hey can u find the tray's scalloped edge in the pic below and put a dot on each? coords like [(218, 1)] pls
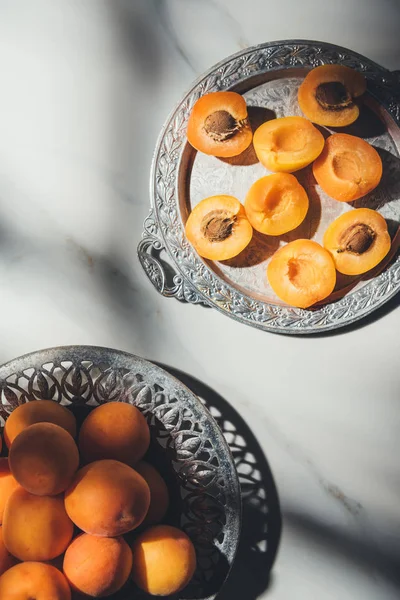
[(192, 280)]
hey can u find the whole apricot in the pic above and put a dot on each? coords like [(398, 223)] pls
[(115, 430), (97, 566), (38, 411), (34, 581), (159, 497), (107, 498), (8, 484), (6, 559), (43, 459), (164, 560), (36, 527)]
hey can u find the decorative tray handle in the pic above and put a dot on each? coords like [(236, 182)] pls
[(160, 272)]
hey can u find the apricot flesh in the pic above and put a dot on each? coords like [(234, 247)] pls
[(36, 527), (348, 167), (276, 204), (218, 228), (164, 560), (358, 241), (287, 144), (302, 273), (97, 566), (34, 581), (159, 496), (43, 459), (115, 430), (107, 498), (219, 124), (8, 484), (326, 96), (38, 411)]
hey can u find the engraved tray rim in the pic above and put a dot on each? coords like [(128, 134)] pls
[(183, 397), (194, 280)]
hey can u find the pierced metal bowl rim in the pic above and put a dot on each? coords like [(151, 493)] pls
[(200, 296), (44, 355)]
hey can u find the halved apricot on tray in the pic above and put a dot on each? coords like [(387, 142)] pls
[(287, 144), (358, 240), (302, 273), (276, 204), (219, 124), (348, 167), (327, 94), (218, 228)]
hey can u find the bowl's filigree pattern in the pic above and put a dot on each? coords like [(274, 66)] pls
[(184, 275), (197, 454)]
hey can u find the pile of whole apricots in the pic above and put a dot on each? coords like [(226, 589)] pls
[(346, 167), (63, 524)]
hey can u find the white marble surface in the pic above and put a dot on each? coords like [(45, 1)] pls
[(85, 88)]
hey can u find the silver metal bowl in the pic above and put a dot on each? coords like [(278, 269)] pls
[(268, 76), (187, 444)]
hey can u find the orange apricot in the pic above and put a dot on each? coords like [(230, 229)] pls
[(164, 560), (115, 430), (34, 581), (276, 204), (38, 411), (348, 167), (218, 228), (43, 459), (8, 484), (36, 527), (107, 498), (219, 124), (97, 566), (302, 273), (159, 497), (326, 96), (287, 144), (6, 559), (358, 240)]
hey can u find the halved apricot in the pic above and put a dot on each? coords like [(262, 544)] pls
[(302, 273), (327, 94), (218, 228), (276, 204), (219, 124), (357, 240), (287, 144), (348, 167)]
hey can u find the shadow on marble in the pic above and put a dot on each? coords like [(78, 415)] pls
[(361, 553), (262, 523)]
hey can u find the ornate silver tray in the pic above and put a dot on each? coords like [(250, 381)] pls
[(187, 444), (268, 75)]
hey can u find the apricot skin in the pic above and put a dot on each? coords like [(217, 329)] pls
[(97, 566), (164, 560), (34, 581), (115, 430), (43, 459), (6, 559), (38, 411), (8, 484), (159, 497), (36, 527), (107, 498)]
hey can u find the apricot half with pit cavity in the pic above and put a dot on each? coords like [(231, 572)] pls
[(348, 167), (358, 240), (302, 273), (327, 94), (287, 144), (218, 228), (276, 204)]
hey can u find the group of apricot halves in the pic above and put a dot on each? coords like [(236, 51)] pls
[(345, 166)]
